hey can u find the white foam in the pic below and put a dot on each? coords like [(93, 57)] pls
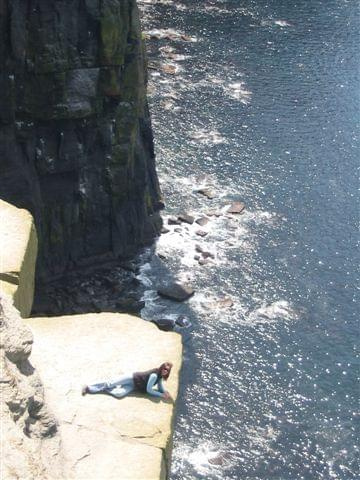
[(239, 92), (201, 458), (207, 136), (275, 311), (282, 23)]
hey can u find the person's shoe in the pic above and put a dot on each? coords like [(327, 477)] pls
[(84, 390)]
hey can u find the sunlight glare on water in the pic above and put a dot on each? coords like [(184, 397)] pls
[(263, 109)]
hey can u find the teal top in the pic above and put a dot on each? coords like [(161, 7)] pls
[(155, 386)]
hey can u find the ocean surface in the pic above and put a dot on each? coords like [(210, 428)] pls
[(259, 101)]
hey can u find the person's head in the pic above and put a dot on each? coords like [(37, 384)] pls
[(165, 369)]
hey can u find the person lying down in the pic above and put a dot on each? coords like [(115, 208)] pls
[(150, 381)]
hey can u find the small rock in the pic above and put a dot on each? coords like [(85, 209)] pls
[(207, 193), (178, 230), (213, 213), (201, 233), (207, 254), (198, 248), (196, 257), (183, 322), (203, 261), (216, 460), (161, 256), (186, 38), (225, 302), (164, 230), (165, 324), (236, 207), (176, 291), (186, 218), (166, 68), (202, 221), (173, 221)]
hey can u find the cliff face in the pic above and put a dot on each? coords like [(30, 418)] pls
[(76, 145)]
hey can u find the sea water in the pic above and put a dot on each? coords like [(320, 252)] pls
[(261, 106)]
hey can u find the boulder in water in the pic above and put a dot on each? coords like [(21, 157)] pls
[(207, 193), (184, 217), (173, 221), (165, 324), (176, 291), (236, 208), (202, 221)]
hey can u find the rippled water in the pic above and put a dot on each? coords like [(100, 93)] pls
[(262, 106)]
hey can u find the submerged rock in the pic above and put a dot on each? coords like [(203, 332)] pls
[(206, 192), (170, 69), (176, 291), (201, 233)]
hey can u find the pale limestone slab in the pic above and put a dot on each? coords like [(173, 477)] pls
[(103, 437), (18, 250)]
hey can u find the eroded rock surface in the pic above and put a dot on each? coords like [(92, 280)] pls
[(30, 443), (76, 146)]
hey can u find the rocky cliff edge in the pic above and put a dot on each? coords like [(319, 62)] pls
[(50, 431)]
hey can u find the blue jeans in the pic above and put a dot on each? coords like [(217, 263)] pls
[(121, 387)]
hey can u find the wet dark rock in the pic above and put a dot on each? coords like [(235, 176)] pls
[(184, 217), (176, 291), (165, 324), (129, 266), (202, 221), (236, 208), (182, 321), (173, 221), (129, 305), (110, 289), (198, 248), (207, 193), (201, 233), (206, 254)]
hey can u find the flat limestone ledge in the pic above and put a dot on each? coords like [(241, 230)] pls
[(18, 250), (104, 437)]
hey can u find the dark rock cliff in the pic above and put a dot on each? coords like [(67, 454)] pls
[(76, 145)]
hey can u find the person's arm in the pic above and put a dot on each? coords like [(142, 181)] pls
[(150, 387), (160, 386)]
